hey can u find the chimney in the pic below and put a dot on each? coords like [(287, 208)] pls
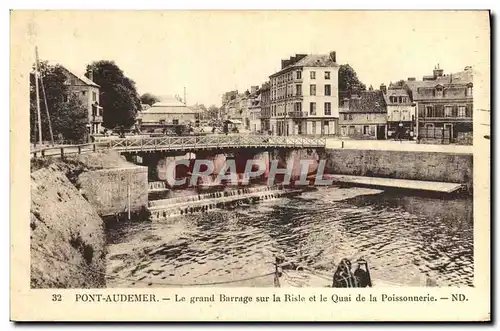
[(284, 63), (333, 56), (411, 79), (91, 75), (346, 103), (253, 89), (383, 88), (437, 72)]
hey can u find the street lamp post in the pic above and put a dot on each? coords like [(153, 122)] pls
[(88, 132), (400, 131)]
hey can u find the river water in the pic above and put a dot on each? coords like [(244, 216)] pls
[(405, 238)]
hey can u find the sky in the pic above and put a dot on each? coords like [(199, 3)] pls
[(211, 52)]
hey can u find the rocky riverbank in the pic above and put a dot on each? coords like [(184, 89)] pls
[(68, 248)]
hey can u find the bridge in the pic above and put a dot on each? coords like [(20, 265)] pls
[(183, 144)]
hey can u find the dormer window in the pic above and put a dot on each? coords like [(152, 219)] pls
[(439, 91), (468, 92)]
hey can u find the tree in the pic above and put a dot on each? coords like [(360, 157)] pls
[(68, 116), (349, 81), (118, 94), (213, 112), (70, 120), (149, 99)]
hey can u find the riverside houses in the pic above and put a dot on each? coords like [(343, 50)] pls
[(401, 118), (254, 110), (444, 106), (364, 115), (304, 96), (88, 92), (265, 105)]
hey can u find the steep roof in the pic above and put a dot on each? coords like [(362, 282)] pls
[(368, 102), (82, 78)]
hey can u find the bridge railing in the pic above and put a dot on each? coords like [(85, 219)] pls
[(182, 143), (215, 141), (62, 151)]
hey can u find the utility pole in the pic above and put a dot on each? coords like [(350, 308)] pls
[(44, 97), (38, 100), (128, 197), (185, 101)]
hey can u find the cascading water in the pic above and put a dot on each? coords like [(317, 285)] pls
[(229, 197)]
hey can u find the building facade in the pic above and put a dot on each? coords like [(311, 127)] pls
[(401, 117), (304, 96), (88, 92), (444, 105), (364, 116), (265, 105), (254, 110)]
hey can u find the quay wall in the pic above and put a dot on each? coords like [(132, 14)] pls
[(67, 234), (427, 166), (108, 190)]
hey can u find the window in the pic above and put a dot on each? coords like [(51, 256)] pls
[(163, 122), (328, 108), (327, 74), (428, 111), (447, 111), (312, 89), (65, 98), (312, 108), (343, 130), (350, 117), (328, 90), (174, 121), (468, 92), (94, 96), (299, 74), (312, 74), (298, 106), (345, 117), (439, 91), (366, 129), (298, 88), (84, 92), (461, 111)]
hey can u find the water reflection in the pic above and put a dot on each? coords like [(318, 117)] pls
[(403, 237)]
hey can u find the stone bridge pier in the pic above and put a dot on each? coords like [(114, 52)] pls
[(296, 161)]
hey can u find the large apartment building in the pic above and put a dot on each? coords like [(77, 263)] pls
[(304, 96)]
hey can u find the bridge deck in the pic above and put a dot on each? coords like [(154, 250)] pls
[(184, 143)]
